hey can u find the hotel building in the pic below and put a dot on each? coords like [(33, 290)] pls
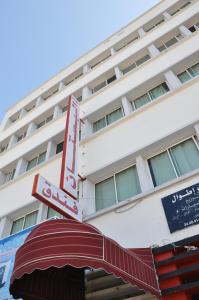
[(139, 143)]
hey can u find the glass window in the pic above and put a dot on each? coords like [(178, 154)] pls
[(111, 79), (159, 91), (24, 222), (105, 193), (17, 225), (59, 147), (40, 124), (64, 109), (192, 28), (31, 164), (142, 101), (52, 213), (189, 73), (119, 187), (142, 60), (184, 5), (79, 99), (36, 161), (10, 175), (184, 76), (49, 118), (171, 42), (127, 183), (99, 86), (161, 168), (99, 124), (194, 70), (129, 68), (30, 219), (162, 48), (114, 116), (185, 157), (41, 158)]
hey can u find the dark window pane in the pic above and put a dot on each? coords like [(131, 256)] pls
[(59, 147)]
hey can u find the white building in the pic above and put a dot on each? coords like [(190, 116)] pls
[(138, 93)]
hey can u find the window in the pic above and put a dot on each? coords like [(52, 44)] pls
[(193, 28), (59, 147), (21, 137), (52, 213), (164, 45), (104, 83), (126, 44), (24, 222), (189, 73), (99, 62), (10, 175), (174, 162), (182, 7), (31, 107), (147, 29), (50, 93), (64, 109), (79, 99), (36, 161), (129, 68), (117, 188), (108, 119), (3, 148), (151, 95), (136, 64), (48, 119)]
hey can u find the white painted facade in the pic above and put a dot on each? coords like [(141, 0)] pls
[(133, 139)]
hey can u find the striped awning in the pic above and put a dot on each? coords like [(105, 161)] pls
[(57, 251)]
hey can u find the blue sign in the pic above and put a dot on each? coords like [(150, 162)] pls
[(182, 208), (8, 248)]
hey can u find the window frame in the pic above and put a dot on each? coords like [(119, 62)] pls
[(105, 117), (23, 217), (10, 175), (192, 137), (163, 43), (149, 96), (186, 69), (115, 186), (45, 121), (21, 137), (37, 159)]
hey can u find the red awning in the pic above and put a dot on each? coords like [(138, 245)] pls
[(61, 243)]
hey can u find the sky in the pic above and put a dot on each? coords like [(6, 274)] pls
[(41, 37)]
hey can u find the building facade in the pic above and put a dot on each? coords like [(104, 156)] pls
[(139, 140)]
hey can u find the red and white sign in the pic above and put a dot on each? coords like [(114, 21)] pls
[(52, 196), (69, 171)]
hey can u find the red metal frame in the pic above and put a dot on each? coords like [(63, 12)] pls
[(65, 148)]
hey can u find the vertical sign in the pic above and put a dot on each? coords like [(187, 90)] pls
[(69, 172)]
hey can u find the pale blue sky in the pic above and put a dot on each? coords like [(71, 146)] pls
[(40, 37)]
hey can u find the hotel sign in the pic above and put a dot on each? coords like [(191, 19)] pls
[(64, 199), (182, 208), (55, 198), (69, 172)]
